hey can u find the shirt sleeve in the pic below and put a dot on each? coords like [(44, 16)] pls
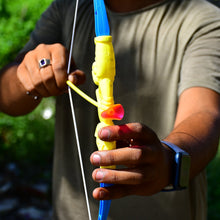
[(201, 61), (48, 29)]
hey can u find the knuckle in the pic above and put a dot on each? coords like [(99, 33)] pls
[(111, 159), (31, 88), (138, 127), (138, 178), (144, 132), (139, 157), (20, 70), (29, 56), (60, 49), (41, 47), (115, 178), (48, 78), (37, 84), (59, 66), (57, 45)]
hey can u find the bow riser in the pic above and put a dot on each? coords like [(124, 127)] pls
[(103, 76)]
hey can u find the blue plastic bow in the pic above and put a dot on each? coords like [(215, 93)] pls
[(102, 29)]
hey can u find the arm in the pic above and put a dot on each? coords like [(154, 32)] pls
[(23, 75), (149, 164), (197, 126), (13, 98)]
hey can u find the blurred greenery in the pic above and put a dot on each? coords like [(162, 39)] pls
[(17, 20), (28, 140)]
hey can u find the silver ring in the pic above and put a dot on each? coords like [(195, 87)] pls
[(44, 62)]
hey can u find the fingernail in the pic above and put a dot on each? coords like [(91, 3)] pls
[(99, 176), (96, 159), (73, 79)]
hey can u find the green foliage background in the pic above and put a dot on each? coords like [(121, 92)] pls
[(28, 140), (17, 20)]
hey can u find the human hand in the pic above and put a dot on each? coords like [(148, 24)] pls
[(49, 80), (148, 164)]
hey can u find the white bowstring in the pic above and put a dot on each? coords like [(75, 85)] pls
[(73, 114)]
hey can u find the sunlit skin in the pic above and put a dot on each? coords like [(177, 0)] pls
[(149, 164)]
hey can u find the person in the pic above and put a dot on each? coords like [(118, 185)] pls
[(167, 79)]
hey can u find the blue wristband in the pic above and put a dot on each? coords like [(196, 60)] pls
[(182, 168)]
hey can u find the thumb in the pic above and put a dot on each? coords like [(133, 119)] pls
[(77, 77)]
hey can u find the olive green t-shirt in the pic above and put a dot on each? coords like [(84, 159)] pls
[(160, 51)]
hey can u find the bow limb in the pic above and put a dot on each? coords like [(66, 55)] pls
[(103, 73)]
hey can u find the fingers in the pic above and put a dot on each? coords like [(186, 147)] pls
[(139, 178), (36, 80), (77, 77), (123, 156), (50, 79), (136, 132), (59, 66), (126, 182), (143, 143), (37, 77), (128, 176), (147, 163), (112, 192), (120, 191)]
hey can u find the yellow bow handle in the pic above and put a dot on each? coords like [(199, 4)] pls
[(103, 72)]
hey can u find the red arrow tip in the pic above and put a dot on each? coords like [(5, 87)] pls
[(114, 112)]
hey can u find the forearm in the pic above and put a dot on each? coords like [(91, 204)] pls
[(198, 135), (13, 98)]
